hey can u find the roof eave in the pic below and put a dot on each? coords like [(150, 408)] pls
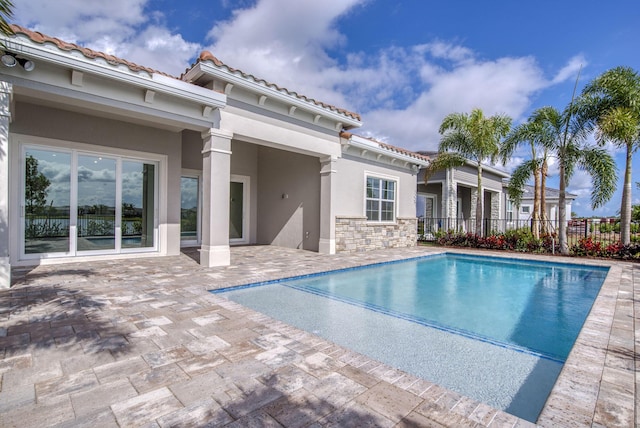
[(205, 68), (152, 81), (366, 144)]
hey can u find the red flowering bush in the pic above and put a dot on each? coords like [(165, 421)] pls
[(587, 247)]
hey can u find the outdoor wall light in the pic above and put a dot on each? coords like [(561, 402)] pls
[(10, 60), (27, 64)]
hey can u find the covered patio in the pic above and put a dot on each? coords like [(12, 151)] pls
[(141, 341)]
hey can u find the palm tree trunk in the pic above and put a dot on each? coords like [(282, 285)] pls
[(479, 199), (535, 226), (625, 209), (562, 211), (544, 219)]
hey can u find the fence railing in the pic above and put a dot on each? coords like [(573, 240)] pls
[(606, 231)]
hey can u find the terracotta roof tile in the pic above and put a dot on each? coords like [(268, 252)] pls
[(207, 56), (40, 38), (389, 147)]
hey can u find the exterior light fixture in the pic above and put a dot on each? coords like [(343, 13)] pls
[(27, 64), (9, 60)]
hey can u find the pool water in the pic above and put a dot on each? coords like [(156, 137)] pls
[(492, 328)]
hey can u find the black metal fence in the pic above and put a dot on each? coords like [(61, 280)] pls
[(606, 231)]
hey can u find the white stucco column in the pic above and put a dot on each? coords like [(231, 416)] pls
[(216, 175), (6, 91), (327, 244)]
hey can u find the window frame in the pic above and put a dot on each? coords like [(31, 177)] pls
[(75, 150), (382, 178)]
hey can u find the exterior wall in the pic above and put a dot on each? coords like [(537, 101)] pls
[(469, 175), (288, 199), (355, 234), (350, 186), (262, 128), (71, 128)]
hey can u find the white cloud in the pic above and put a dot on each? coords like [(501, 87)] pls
[(124, 28), (570, 70), (403, 92)]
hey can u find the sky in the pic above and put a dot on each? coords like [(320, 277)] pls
[(403, 65)]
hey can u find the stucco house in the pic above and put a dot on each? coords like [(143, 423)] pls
[(552, 203), (448, 199), (103, 158)]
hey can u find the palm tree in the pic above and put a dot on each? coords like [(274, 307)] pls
[(612, 103), (531, 132), (6, 13), (474, 137), (565, 135)]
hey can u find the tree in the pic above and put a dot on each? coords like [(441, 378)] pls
[(474, 137), (6, 13), (565, 136), (36, 187), (531, 132), (611, 102)]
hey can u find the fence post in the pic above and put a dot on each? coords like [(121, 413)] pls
[(586, 228)]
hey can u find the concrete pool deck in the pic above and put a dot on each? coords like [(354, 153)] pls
[(140, 342)]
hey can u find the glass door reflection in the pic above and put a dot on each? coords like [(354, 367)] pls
[(138, 203), (96, 206), (47, 190)]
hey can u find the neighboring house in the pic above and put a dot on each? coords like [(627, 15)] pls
[(552, 202), (448, 199), (102, 158)]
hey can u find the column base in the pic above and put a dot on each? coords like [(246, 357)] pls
[(327, 246), (5, 272), (219, 255)]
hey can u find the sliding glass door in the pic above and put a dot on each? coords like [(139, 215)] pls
[(47, 190), (96, 203), (87, 203)]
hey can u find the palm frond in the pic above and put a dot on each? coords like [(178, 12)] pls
[(519, 178), (602, 168), (444, 160)]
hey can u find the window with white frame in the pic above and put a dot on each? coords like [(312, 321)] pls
[(381, 199), (526, 209), (509, 211)]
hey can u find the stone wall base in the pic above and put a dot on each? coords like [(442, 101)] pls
[(355, 234)]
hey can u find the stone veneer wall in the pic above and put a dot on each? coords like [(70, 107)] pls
[(354, 234)]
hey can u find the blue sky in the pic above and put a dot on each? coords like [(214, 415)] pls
[(403, 65)]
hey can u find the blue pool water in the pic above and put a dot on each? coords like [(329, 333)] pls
[(521, 317)]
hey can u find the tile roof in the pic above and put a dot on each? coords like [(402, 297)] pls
[(40, 38), (389, 147), (206, 56)]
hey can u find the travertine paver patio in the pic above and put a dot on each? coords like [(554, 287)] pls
[(140, 342)]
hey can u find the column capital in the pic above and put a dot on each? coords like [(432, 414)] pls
[(214, 132), (327, 165), (216, 141)]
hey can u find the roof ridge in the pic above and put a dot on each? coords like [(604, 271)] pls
[(206, 56)]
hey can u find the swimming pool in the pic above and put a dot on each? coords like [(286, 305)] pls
[(513, 322)]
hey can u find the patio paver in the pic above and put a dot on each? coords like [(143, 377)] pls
[(142, 342)]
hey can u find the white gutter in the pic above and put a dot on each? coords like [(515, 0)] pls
[(237, 79), (120, 72)]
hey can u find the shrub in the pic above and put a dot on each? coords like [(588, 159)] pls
[(587, 247)]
